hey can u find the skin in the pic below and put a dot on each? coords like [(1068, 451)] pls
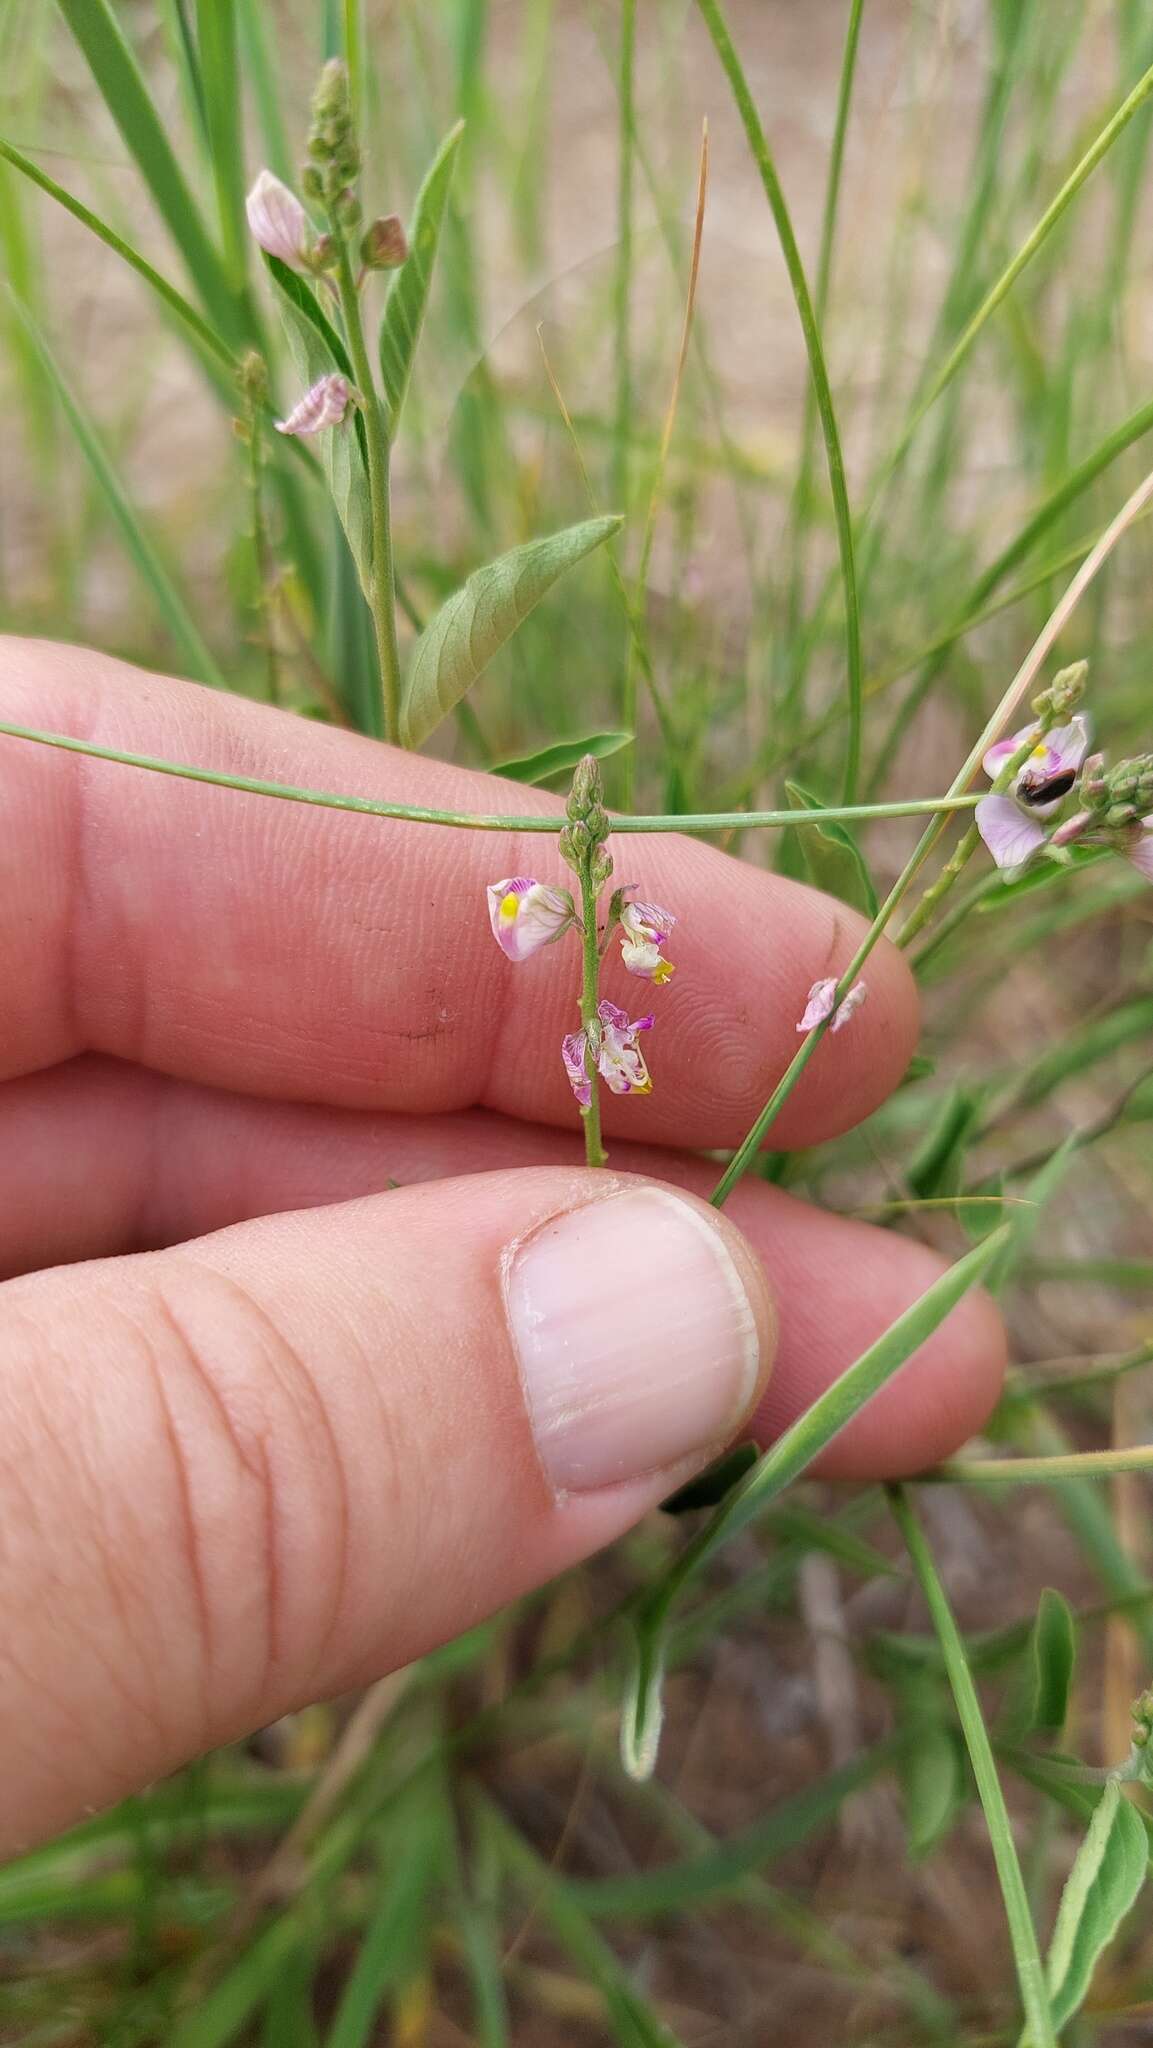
[(235, 1362)]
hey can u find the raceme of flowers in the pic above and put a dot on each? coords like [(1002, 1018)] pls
[(526, 915), (1114, 806)]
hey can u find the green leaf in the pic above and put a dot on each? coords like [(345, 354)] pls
[(142, 550), (1054, 1649), (394, 1936), (832, 858), (1101, 1887), (219, 66), (642, 1709), (405, 305), (129, 102), (562, 758), (316, 350), (939, 1167), (934, 1782), (460, 640)]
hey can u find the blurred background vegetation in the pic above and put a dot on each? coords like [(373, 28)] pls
[(457, 1857)]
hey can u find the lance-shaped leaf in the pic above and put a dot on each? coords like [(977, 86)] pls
[(561, 758), (1101, 1887), (408, 295), (316, 350), (460, 641), (1054, 1649)]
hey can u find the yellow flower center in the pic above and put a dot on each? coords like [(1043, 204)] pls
[(508, 906)]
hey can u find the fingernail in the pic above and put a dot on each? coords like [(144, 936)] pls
[(639, 1321)]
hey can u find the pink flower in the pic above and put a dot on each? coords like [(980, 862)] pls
[(278, 221), (1008, 821), (526, 915), (821, 1003), (1050, 770), (619, 1060), (1141, 849), (644, 929), (324, 405)]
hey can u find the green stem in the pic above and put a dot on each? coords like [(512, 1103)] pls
[(383, 593), (479, 821), (1022, 1933), (965, 848), (595, 1153)]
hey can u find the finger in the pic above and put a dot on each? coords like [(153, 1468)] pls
[(308, 954), (98, 1158), (280, 1460)]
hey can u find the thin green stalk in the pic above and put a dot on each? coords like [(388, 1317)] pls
[(762, 157), (383, 595), (1018, 689), (962, 853), (595, 1153), (482, 821), (1034, 1471), (1022, 1933), (622, 284)]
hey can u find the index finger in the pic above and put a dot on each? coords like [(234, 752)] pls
[(312, 955)]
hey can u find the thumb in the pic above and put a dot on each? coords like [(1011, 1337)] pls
[(278, 1461)]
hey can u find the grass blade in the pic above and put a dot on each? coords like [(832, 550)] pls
[(220, 70), (746, 107), (126, 96), (153, 573), (1026, 1954)]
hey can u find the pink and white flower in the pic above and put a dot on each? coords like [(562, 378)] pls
[(526, 915), (278, 221), (324, 405), (1141, 849), (644, 930), (1009, 821), (822, 1003), (619, 1059)]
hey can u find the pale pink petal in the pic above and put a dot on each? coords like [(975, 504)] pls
[(278, 220), (644, 929), (573, 1050), (620, 1061), (1070, 743), (848, 1005), (526, 915), (1010, 834), (1003, 750), (1141, 850), (818, 1005), (324, 405)]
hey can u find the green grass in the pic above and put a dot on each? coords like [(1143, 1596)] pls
[(766, 634)]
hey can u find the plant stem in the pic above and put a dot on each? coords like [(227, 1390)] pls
[(1022, 1933), (382, 600), (595, 1153)]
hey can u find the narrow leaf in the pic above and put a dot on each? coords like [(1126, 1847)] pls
[(316, 350), (129, 102), (142, 550), (562, 758), (1101, 1887), (832, 857), (1054, 1649), (460, 641), (408, 297)]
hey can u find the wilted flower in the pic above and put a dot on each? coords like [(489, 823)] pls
[(1140, 848), (619, 1060), (644, 929), (278, 221), (821, 1003), (384, 244), (323, 405), (1009, 821), (526, 915)]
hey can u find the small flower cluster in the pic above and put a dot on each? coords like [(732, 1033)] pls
[(283, 229), (1114, 806), (526, 915)]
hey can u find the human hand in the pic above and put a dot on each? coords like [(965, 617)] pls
[(269, 1424)]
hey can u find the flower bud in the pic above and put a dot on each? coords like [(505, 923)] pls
[(587, 789), (1056, 703), (278, 221), (384, 245)]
